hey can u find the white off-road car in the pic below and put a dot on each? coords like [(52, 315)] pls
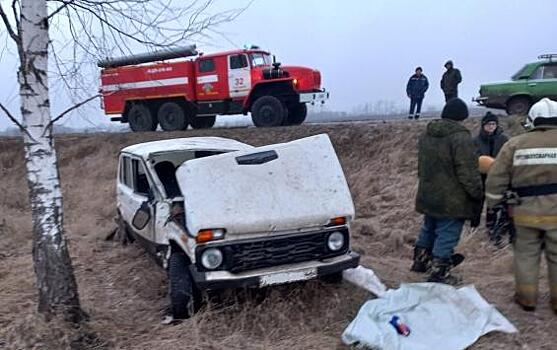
[(218, 213)]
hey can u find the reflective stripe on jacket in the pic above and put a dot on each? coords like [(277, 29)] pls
[(528, 161)]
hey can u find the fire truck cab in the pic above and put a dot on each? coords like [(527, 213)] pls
[(163, 88)]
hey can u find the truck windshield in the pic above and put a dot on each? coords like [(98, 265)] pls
[(260, 59)]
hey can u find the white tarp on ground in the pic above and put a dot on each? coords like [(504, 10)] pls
[(439, 317), (365, 278)]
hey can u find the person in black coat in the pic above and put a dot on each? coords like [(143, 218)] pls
[(490, 138), (489, 142), (415, 89), (449, 82)]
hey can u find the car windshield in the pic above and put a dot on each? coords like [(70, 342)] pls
[(260, 59), (518, 74), (523, 73)]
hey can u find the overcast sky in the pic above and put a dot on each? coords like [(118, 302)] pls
[(367, 49)]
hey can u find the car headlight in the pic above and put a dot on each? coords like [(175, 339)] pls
[(211, 258), (335, 242)]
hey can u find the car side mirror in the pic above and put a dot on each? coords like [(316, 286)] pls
[(142, 216)]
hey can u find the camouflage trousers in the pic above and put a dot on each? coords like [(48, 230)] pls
[(528, 247)]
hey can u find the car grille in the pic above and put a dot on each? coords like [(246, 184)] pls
[(255, 254)]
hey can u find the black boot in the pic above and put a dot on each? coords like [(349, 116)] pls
[(422, 260), (441, 272)]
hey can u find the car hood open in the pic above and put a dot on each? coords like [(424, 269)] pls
[(289, 186)]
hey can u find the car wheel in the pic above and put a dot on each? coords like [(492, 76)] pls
[(519, 106), (172, 116), (140, 118), (267, 111), (203, 122), (184, 296), (297, 114)]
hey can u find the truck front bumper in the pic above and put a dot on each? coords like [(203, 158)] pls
[(314, 97), (274, 275)]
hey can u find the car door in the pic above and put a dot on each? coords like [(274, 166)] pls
[(239, 75), (136, 195), (543, 82)]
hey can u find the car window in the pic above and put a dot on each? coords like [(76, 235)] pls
[(126, 178), (121, 170), (538, 73), (550, 72), (207, 65), (166, 171), (238, 61), (141, 184)]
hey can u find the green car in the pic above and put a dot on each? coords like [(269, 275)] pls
[(532, 83)]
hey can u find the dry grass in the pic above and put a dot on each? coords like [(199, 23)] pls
[(125, 293)]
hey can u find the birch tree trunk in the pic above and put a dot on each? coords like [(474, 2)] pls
[(56, 282)]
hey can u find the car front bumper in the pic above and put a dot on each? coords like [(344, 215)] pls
[(498, 102), (480, 100), (314, 97), (274, 275)]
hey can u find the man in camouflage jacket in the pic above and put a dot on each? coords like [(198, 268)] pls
[(449, 191), (527, 165)]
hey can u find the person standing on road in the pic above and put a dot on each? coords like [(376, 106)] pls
[(415, 89), (488, 143), (449, 191), (527, 166), (449, 82)]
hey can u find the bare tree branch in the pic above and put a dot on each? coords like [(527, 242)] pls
[(14, 35), (60, 8), (15, 121), (77, 105)]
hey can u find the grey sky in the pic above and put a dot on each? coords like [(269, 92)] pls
[(366, 50)]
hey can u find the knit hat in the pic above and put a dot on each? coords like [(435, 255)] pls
[(455, 109), (490, 117), (449, 62)]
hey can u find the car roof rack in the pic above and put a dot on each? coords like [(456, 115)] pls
[(550, 57)]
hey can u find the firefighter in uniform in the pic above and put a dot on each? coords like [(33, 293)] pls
[(527, 166)]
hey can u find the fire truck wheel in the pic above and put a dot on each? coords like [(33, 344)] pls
[(172, 117), (203, 122), (141, 118), (297, 114), (267, 111)]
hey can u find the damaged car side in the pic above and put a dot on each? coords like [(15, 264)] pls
[(218, 213)]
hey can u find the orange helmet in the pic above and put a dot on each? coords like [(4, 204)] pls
[(485, 163)]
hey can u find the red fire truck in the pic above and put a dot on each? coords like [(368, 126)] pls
[(165, 88)]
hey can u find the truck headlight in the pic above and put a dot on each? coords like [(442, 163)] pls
[(211, 258), (335, 242)]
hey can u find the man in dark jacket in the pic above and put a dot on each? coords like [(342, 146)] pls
[(488, 143), (449, 82), (449, 191), (415, 89)]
